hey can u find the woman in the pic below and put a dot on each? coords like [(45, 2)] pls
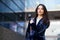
[(37, 26)]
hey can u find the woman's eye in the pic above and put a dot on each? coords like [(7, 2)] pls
[(41, 8)]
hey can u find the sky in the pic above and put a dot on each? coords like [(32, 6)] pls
[(51, 5)]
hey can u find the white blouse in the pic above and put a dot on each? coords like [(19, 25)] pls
[(37, 20)]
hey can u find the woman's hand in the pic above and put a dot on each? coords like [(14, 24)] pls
[(31, 21)]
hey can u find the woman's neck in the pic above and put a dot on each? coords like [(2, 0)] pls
[(39, 16)]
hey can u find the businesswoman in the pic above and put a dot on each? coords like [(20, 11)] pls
[(37, 26)]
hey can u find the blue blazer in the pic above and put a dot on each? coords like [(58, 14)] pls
[(37, 32)]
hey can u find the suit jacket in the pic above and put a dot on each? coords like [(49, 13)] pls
[(37, 32)]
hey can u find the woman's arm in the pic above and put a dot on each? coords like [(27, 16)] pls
[(43, 27)]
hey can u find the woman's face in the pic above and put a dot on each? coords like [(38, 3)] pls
[(40, 10)]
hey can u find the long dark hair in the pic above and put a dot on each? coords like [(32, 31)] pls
[(45, 14)]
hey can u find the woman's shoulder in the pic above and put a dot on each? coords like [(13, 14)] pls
[(32, 18)]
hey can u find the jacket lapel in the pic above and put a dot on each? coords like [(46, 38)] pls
[(40, 22)]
